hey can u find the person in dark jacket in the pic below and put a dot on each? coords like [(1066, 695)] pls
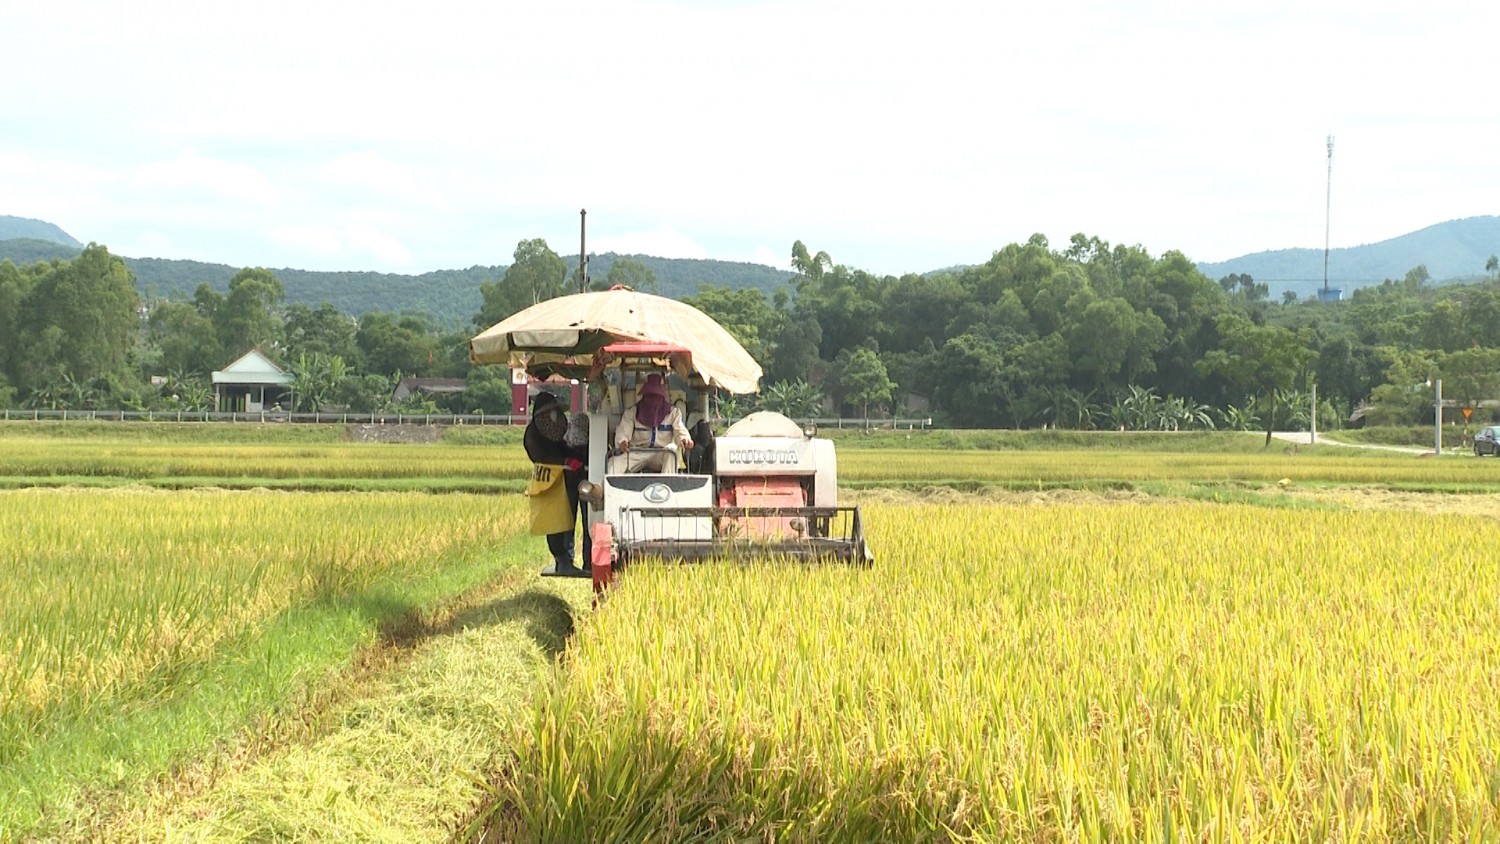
[(545, 443)]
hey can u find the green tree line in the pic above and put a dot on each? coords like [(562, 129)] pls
[(1087, 336)]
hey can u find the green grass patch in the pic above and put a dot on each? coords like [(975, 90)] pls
[(437, 485), (980, 487), (1053, 440), (1234, 492), (489, 461), (1416, 436), (234, 432), (173, 432), (491, 435), (249, 463), (877, 438)]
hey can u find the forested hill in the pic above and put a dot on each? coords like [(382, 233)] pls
[(1453, 251), (24, 228), (449, 296), (678, 277)]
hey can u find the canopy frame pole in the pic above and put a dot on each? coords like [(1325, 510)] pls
[(583, 255)]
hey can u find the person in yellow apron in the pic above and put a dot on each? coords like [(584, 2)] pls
[(557, 468)]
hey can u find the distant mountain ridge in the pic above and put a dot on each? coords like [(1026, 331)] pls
[(25, 228), (1453, 251), (451, 297)]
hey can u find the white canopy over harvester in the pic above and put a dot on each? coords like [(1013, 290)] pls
[(764, 489)]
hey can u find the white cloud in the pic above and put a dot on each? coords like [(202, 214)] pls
[(781, 260), (322, 241), (369, 239), (195, 176), (355, 243), (369, 172), (661, 243), (897, 138), (56, 190)]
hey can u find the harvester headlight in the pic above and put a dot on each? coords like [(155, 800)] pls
[(591, 492)]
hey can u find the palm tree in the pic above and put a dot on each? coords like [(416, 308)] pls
[(1292, 404), (78, 394), (792, 398), (316, 378), (1181, 413), (1240, 418), (46, 397), (1079, 409), (1140, 409)]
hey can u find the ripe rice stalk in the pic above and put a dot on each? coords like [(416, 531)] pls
[(107, 593), (1100, 672), (91, 458)]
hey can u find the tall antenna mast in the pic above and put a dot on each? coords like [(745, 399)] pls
[(1327, 217)]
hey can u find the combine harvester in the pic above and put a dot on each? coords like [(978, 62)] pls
[(765, 489)]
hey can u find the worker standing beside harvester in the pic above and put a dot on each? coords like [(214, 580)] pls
[(558, 467)]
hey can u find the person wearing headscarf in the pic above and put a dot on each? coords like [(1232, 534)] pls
[(653, 422), (546, 444)]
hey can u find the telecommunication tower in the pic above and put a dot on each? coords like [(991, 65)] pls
[(1327, 217)]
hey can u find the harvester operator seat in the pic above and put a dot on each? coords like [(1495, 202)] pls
[(642, 459), (649, 432)]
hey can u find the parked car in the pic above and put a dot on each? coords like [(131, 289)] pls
[(1487, 441)]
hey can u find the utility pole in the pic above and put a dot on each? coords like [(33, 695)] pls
[(1327, 217), (1437, 424), (583, 255), (1313, 417)]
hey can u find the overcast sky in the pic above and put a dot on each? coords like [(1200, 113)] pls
[(898, 137)]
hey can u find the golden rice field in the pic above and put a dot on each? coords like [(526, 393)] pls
[(107, 593), (1328, 465), (442, 465), (1085, 671), (152, 460)]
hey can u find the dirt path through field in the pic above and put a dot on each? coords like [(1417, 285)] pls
[(1304, 438), (1370, 498), (400, 753)]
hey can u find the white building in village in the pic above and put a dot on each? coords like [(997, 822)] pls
[(252, 383)]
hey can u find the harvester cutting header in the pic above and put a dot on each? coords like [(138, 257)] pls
[(765, 489)]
